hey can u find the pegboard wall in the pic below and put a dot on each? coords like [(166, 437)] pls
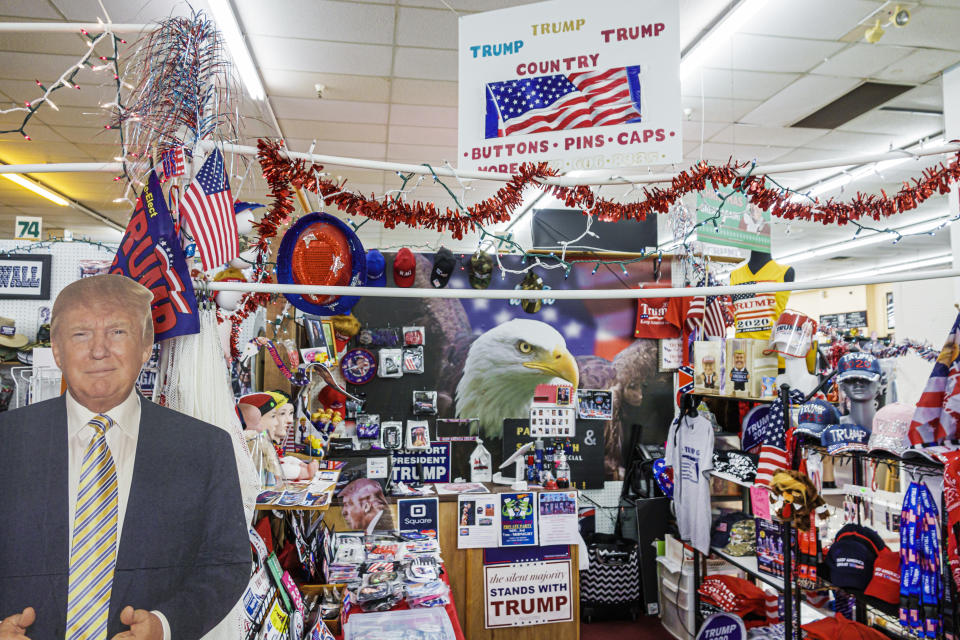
[(65, 268), (609, 499)]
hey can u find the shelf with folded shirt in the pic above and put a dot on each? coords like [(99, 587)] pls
[(749, 565)]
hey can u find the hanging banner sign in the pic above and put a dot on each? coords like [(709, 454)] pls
[(527, 593), (579, 85), (740, 223), (150, 253)]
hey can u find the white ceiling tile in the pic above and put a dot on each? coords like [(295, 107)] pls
[(801, 98), (421, 116), (126, 11), (776, 54), (851, 142), (695, 15), (429, 64), (331, 110), (325, 20), (422, 135), (471, 6), (368, 150), (316, 55), (926, 96), (344, 131), (775, 136), (903, 127), (429, 92), (28, 9), (302, 84), (816, 19), (693, 131), (437, 28), (744, 85), (718, 109), (861, 60), (717, 152), (919, 66)]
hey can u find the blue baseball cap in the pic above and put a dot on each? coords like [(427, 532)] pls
[(816, 416), (851, 557), (839, 438), (376, 269), (858, 365)]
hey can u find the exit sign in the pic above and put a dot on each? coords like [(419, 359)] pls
[(28, 228)]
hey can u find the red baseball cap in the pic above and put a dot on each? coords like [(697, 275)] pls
[(332, 399), (885, 583), (404, 268)]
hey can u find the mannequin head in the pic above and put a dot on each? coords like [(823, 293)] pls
[(860, 389), (275, 413)]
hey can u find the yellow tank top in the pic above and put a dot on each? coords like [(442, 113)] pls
[(754, 314)]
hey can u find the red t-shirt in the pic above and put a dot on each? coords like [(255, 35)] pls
[(652, 321)]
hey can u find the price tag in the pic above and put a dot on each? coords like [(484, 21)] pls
[(28, 228)]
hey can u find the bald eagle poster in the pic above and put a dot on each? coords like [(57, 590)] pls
[(485, 358)]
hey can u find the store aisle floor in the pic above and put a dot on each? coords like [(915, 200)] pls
[(645, 628)]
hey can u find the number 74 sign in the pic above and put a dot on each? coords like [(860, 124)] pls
[(28, 228)]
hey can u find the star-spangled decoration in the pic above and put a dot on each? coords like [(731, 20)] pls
[(337, 265), (520, 96)]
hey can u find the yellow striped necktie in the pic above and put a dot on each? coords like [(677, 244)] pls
[(93, 552)]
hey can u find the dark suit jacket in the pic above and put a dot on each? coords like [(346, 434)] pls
[(184, 548)]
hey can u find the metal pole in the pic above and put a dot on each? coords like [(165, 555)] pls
[(576, 294), (420, 169), (63, 167)]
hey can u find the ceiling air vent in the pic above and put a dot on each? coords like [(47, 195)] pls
[(855, 103)]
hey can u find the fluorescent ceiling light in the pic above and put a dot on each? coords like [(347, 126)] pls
[(910, 265), (227, 23), (37, 189), (863, 240), (719, 35), (874, 168)]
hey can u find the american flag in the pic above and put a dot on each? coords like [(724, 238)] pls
[(773, 451), (208, 207), (563, 101), (938, 411), (172, 160), (715, 319)]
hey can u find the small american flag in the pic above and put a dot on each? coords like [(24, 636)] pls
[(773, 451), (563, 101), (938, 410), (172, 160), (713, 312), (208, 207)]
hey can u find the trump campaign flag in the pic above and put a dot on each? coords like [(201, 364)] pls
[(938, 410), (150, 253), (208, 207)]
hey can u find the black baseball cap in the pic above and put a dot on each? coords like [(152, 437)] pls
[(443, 265)]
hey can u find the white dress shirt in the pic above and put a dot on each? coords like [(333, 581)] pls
[(122, 440)]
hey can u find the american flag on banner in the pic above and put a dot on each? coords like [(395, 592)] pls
[(938, 411), (172, 161), (563, 101), (208, 207)]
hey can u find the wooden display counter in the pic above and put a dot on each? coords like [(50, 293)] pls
[(465, 573)]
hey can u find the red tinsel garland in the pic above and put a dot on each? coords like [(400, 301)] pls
[(282, 173)]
